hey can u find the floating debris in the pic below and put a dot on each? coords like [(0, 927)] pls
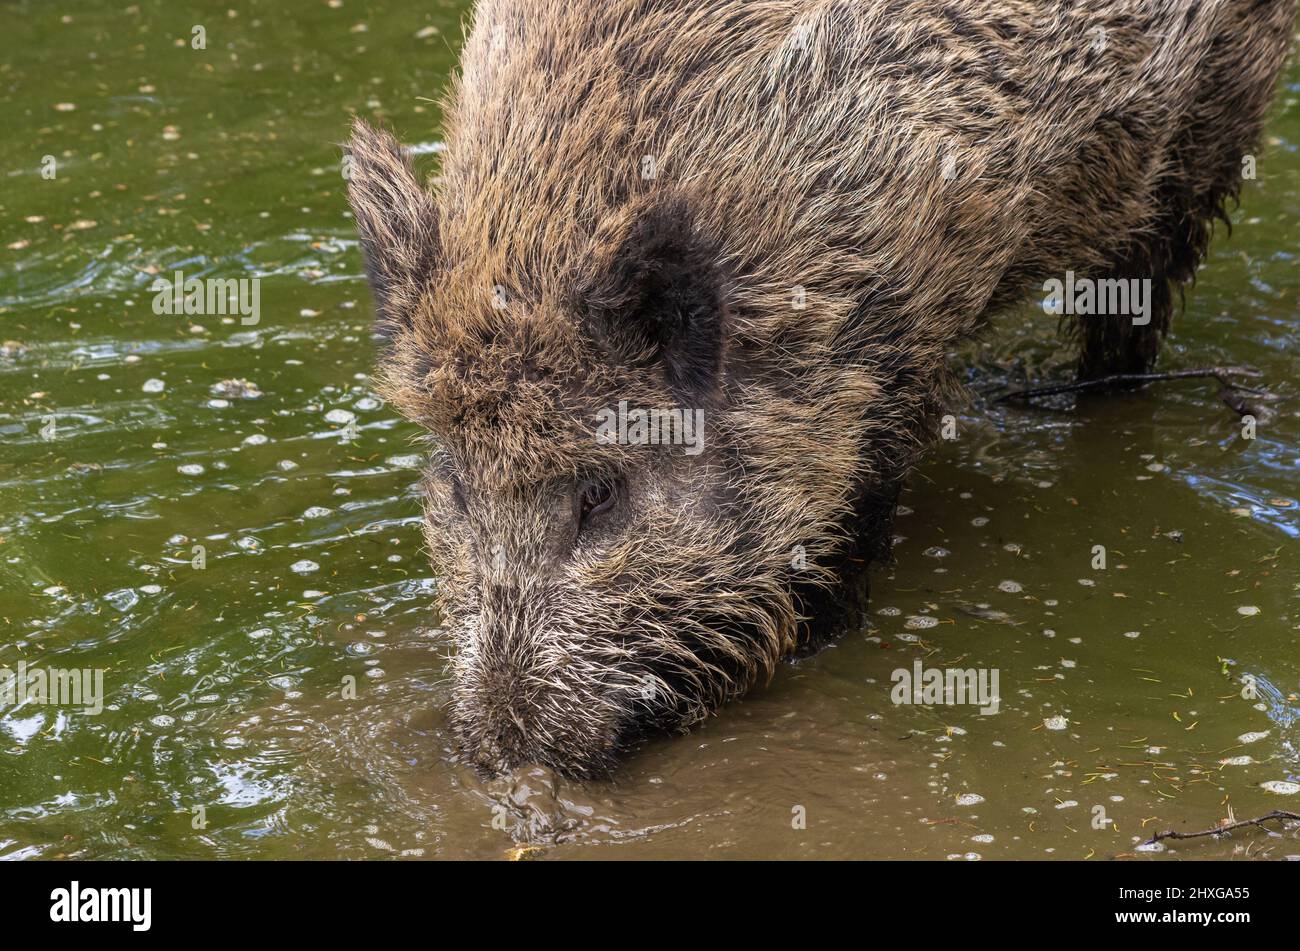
[(236, 390)]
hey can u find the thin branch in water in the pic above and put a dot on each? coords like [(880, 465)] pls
[(1222, 374), (1275, 814)]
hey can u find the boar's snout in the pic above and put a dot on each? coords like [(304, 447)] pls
[(509, 715), (534, 684)]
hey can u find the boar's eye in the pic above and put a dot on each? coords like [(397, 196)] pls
[(595, 496)]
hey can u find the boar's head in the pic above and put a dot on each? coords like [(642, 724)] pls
[(594, 590)]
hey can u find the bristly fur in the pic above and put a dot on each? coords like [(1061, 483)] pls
[(783, 213)]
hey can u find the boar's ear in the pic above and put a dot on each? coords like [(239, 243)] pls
[(396, 220), (654, 289)]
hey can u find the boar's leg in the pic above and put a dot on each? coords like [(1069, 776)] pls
[(1203, 164)]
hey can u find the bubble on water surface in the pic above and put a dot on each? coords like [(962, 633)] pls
[(1010, 587), (124, 599), (341, 416), (154, 386), (1252, 737), (304, 567), (1056, 723), (1281, 787), (190, 469), (969, 799), (405, 462)]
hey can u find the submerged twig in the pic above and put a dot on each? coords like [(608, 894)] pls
[(1171, 834), (1222, 374)]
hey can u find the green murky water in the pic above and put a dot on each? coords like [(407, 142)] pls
[(227, 730)]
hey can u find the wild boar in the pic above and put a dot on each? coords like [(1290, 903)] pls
[(774, 219)]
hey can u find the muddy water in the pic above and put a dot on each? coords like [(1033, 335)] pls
[(244, 564)]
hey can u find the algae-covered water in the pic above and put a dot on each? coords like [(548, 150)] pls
[(219, 516)]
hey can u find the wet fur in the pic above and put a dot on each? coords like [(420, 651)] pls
[(796, 144)]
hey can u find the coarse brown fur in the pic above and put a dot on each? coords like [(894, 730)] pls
[(780, 212)]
